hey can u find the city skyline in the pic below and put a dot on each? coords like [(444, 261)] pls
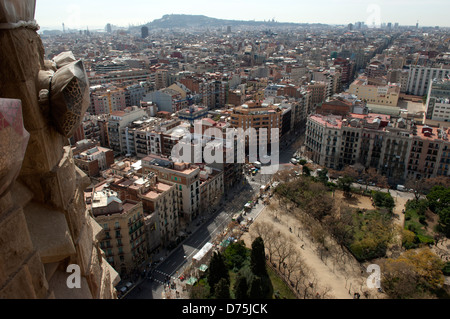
[(138, 12)]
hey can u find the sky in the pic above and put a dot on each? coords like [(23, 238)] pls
[(96, 14)]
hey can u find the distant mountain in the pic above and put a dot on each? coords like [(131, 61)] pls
[(196, 21)]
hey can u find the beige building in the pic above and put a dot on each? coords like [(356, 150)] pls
[(257, 115), (160, 199), (124, 241), (185, 176), (375, 94), (211, 188)]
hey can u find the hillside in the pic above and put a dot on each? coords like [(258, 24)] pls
[(197, 21)]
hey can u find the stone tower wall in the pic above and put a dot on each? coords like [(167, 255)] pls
[(44, 223)]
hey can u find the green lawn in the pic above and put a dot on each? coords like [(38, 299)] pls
[(412, 223), (280, 286)]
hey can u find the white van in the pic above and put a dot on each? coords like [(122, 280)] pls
[(401, 188)]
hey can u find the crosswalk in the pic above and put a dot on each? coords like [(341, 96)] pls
[(164, 278)]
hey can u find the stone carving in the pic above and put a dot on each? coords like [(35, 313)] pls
[(44, 223), (68, 92), (13, 142)]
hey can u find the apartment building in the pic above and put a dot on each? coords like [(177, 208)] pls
[(91, 158), (118, 121), (375, 94), (257, 115), (161, 199), (106, 100), (93, 127), (143, 137), (211, 188), (160, 204), (438, 101), (168, 99), (421, 77), (121, 76), (346, 68), (391, 145), (124, 241), (319, 92), (429, 153), (192, 113), (400, 77), (214, 93), (184, 175)]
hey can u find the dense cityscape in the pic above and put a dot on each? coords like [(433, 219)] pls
[(361, 119)]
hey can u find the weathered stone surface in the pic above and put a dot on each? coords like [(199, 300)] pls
[(96, 228), (37, 232), (49, 233), (21, 194), (19, 286), (19, 74), (96, 274), (55, 188), (50, 269), (6, 204), (58, 285), (44, 152), (84, 245), (115, 278), (13, 142), (37, 272), (83, 181), (15, 243)]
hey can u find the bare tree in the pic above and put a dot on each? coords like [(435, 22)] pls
[(418, 187), (293, 262), (284, 249)]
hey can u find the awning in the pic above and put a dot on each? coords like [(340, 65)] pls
[(191, 281), (203, 267), (203, 251)]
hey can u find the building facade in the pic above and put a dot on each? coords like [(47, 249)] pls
[(397, 148), (124, 241), (438, 101)]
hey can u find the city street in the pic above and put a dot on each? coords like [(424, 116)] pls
[(204, 229), (173, 265)]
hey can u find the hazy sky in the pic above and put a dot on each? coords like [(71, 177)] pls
[(97, 13)]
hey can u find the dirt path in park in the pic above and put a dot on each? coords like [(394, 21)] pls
[(343, 279)]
